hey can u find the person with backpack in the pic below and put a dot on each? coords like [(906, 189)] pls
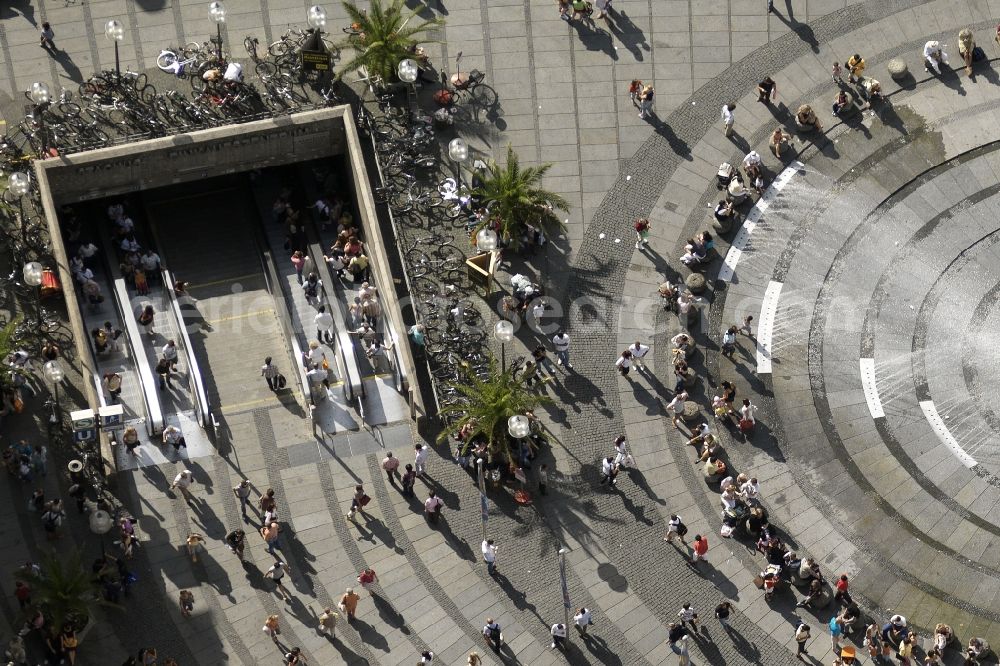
[(801, 638), (493, 634), (52, 519), (311, 288)]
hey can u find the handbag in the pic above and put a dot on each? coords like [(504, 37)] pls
[(364, 500), (282, 381)]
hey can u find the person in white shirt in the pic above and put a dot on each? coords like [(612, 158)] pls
[(609, 471), (688, 616), (729, 498), (624, 363), (747, 411), (729, 117), (169, 352), (87, 251), (366, 291), (621, 452), (537, 312), (234, 72), (934, 56), (639, 352), (420, 459), (490, 556), (130, 244), (324, 325), (582, 620), (558, 632), (317, 354), (493, 634), (432, 506), (560, 341), (182, 482), (750, 491), (172, 436), (150, 261), (676, 407)]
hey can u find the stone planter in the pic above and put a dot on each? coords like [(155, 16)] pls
[(695, 283)]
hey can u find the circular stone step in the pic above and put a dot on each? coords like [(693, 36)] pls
[(695, 283)]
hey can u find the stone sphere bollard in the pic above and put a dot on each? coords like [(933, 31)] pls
[(898, 69), (695, 283)]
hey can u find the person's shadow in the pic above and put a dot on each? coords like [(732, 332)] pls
[(72, 71), (803, 30)]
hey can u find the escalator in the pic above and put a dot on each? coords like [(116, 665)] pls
[(206, 232)]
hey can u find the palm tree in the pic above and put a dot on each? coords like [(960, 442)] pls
[(383, 36), (514, 198), (490, 402), (8, 345), (66, 591)]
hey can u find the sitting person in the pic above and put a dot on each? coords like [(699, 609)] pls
[(756, 523), (709, 448), (729, 498), (714, 468), (809, 569), (874, 91), (977, 648), (706, 241), (694, 253), (681, 346), (668, 292), (848, 617), (942, 636), (725, 211), (934, 56), (806, 118), (814, 594), (779, 141), (840, 103)]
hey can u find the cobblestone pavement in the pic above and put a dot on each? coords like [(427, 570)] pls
[(879, 247)]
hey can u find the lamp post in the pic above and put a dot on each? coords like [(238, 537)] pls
[(100, 524), (32, 272), (316, 17), (18, 184), (55, 374), (565, 589), (407, 70), (40, 95), (217, 13), (458, 152), (503, 331), (115, 31), (484, 505)]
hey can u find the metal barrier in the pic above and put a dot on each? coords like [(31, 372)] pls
[(197, 387)]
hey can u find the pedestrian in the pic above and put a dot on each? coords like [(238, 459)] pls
[(688, 616), (836, 631), (646, 102), (543, 479), (560, 341), (722, 612), (493, 634), (432, 506), (269, 371), (624, 363), (163, 371), (349, 603), (677, 635), (367, 577), (638, 352), (420, 452), (676, 408), (490, 556), (242, 492), (391, 466), (186, 601), (146, 318), (675, 527), (277, 573), (311, 288), (779, 141), (729, 342), (841, 102), (855, 66), (747, 327), (47, 36), (474, 658), (934, 56), (169, 352), (622, 457), (407, 480), (267, 503), (294, 657), (801, 638), (842, 595), (69, 643), (582, 620), (837, 72), (426, 657), (699, 548), (328, 622), (634, 90), (729, 117), (642, 233), (766, 89), (530, 374), (193, 542), (558, 632), (272, 627), (171, 435), (358, 502), (270, 533), (609, 471), (182, 482), (324, 325), (298, 263), (543, 363), (112, 381), (747, 418), (236, 540), (22, 592)]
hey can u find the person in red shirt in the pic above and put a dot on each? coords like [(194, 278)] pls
[(700, 548), (842, 595), (23, 593)]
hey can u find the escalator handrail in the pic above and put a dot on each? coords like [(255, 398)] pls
[(334, 301), (148, 384), (194, 369)]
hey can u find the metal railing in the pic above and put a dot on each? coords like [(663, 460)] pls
[(197, 387)]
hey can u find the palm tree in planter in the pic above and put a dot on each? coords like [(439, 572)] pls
[(66, 591), (383, 36), (490, 402), (514, 197)]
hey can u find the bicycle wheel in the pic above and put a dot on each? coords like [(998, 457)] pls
[(280, 47), (484, 95), (69, 109), (266, 70)]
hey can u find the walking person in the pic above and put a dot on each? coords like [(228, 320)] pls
[(688, 616), (358, 502), (722, 613), (432, 507), (675, 527), (558, 632), (367, 577), (272, 627), (676, 408), (270, 533), (934, 56), (493, 634), (169, 353), (182, 482), (236, 540), (766, 89), (277, 573), (490, 556), (560, 342), (624, 363), (646, 102), (194, 542), (311, 288), (146, 318), (171, 435), (543, 479), (407, 480), (729, 118), (699, 549), (609, 471), (186, 601), (543, 363), (639, 351), (677, 635), (349, 603), (855, 66), (324, 325), (294, 657), (642, 233), (163, 370), (582, 620), (391, 466), (420, 452), (269, 371), (47, 35), (634, 90), (328, 622), (242, 492), (801, 638)]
